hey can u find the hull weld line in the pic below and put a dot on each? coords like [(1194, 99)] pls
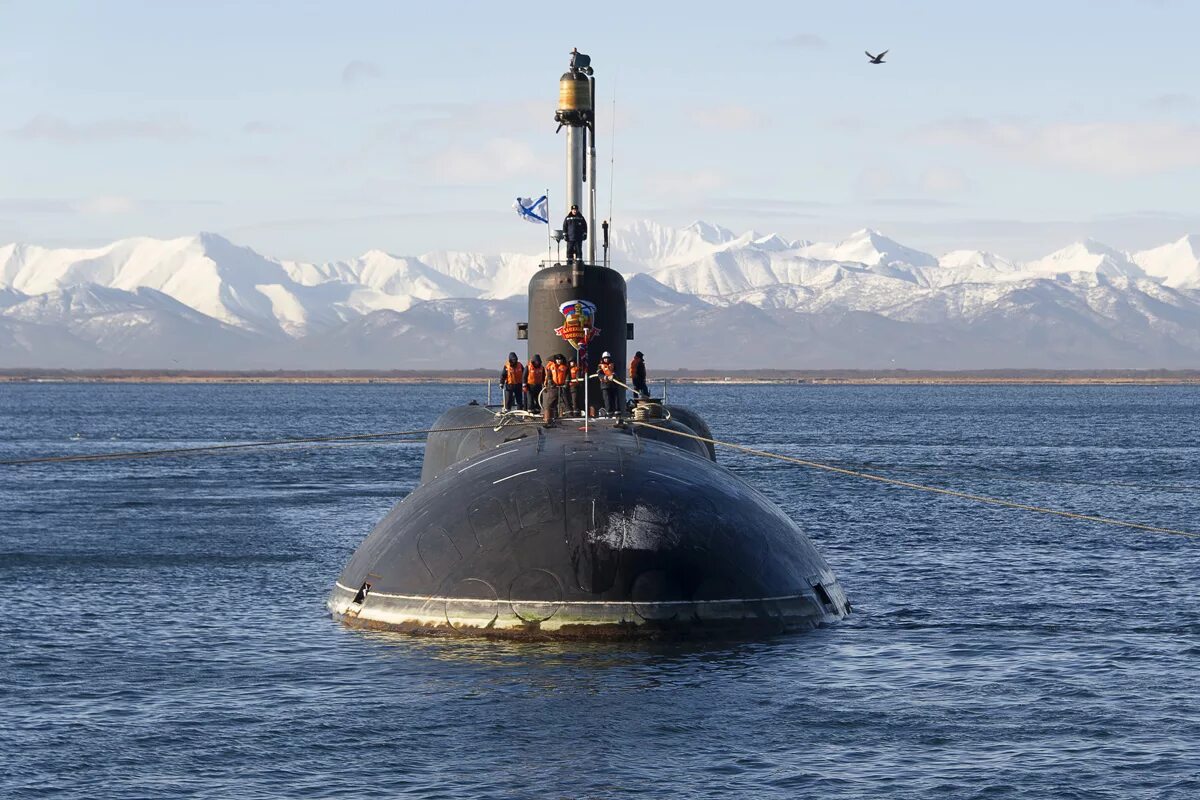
[(482, 460), (515, 475), (668, 477)]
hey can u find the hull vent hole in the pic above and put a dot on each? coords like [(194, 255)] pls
[(822, 595), (361, 596)]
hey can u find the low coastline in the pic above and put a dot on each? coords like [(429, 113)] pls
[(833, 377)]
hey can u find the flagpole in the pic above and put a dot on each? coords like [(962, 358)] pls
[(549, 247)]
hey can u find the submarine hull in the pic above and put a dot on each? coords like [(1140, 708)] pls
[(615, 532), (608, 528)]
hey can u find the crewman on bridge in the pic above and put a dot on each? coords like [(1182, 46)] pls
[(512, 377), (608, 385), (535, 378), (556, 396), (575, 232), (637, 374)]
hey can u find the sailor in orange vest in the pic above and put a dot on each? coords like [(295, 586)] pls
[(535, 377), (555, 397), (612, 392), (512, 378), (637, 374)]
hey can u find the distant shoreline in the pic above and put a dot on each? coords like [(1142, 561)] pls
[(896, 377)]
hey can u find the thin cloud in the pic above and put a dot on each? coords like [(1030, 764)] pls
[(730, 118), (258, 127), (496, 159), (943, 181), (103, 205), (413, 126), (879, 181), (684, 182), (802, 41), (417, 118), (359, 71), (848, 123), (1110, 148), (52, 128), (912, 202), (933, 187), (106, 205), (1171, 101), (35, 205), (768, 203)]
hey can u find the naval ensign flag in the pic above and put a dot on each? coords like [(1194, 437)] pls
[(533, 210)]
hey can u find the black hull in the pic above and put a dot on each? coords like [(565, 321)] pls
[(617, 533)]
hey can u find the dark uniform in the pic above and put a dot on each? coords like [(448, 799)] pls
[(637, 374), (575, 232)]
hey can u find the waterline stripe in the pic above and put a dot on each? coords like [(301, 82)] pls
[(428, 598)]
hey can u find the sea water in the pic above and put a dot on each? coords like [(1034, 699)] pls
[(163, 631)]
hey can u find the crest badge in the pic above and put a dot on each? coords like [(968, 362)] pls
[(579, 323)]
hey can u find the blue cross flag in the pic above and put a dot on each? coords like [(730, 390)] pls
[(533, 210)]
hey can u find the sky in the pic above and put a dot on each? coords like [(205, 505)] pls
[(318, 131)]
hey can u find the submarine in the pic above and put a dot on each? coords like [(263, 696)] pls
[(597, 526)]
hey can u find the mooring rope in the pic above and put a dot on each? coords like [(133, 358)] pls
[(366, 437), (213, 448), (979, 498)]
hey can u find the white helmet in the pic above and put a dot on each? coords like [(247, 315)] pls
[(606, 354)]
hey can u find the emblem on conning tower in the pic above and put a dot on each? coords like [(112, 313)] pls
[(579, 318)]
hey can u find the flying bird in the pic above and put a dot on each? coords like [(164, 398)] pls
[(876, 59)]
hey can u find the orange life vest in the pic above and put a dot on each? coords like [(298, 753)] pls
[(633, 365), (535, 375), (607, 371), (558, 372), (513, 373), (574, 371)]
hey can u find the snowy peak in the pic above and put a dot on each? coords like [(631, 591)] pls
[(499, 276), (708, 232), (1177, 264), (397, 275), (872, 248), (976, 260), (644, 245), (1088, 256)]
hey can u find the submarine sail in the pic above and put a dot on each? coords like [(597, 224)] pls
[(595, 527)]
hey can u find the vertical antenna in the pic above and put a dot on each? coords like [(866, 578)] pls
[(612, 152)]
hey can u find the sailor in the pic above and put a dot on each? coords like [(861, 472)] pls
[(555, 397), (608, 385), (575, 231), (512, 378), (637, 374), (535, 378)]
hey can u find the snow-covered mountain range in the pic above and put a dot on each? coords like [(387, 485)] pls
[(701, 296)]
